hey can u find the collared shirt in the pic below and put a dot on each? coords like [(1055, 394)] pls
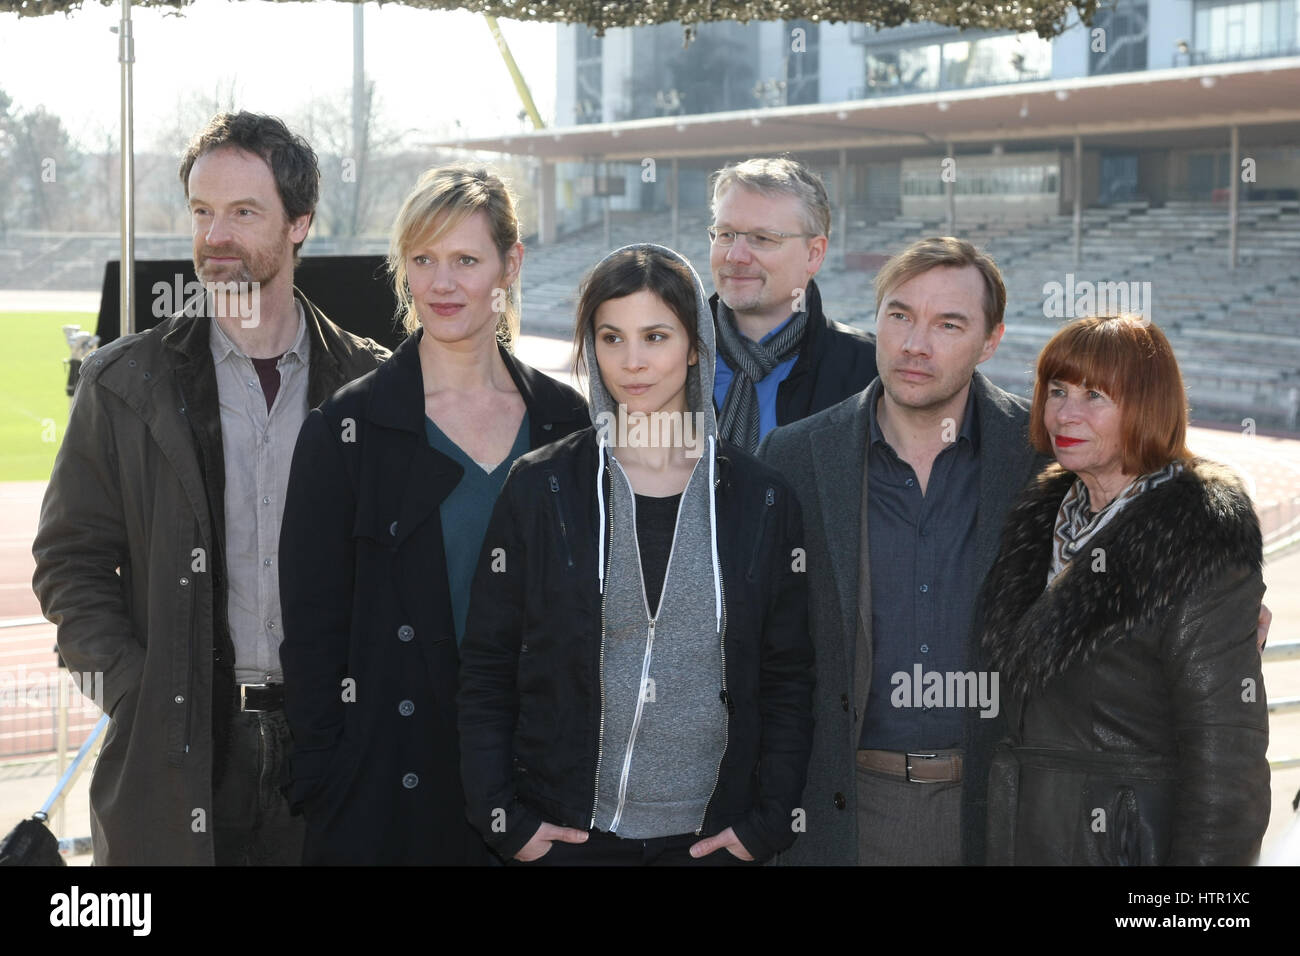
[(258, 449), (766, 388), (923, 590)]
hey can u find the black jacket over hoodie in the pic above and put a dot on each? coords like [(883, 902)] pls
[(531, 696)]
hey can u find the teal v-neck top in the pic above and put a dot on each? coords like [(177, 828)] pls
[(466, 511)]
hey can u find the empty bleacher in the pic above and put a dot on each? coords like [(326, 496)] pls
[(1235, 332)]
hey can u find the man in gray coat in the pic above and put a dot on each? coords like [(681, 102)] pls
[(157, 549), (904, 489)]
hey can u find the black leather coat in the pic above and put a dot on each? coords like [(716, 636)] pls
[(1138, 717)]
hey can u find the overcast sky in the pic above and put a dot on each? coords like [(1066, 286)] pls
[(431, 68)]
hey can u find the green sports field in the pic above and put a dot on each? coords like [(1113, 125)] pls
[(33, 403)]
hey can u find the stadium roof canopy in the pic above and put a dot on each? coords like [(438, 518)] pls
[(1143, 104)]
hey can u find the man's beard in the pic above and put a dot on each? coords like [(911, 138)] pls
[(260, 267), (225, 272), (741, 302)]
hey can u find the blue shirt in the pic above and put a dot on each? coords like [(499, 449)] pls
[(922, 550), (465, 514), (765, 388)]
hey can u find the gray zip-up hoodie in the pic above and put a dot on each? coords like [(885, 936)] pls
[(663, 722)]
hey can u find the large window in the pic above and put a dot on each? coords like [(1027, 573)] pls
[(802, 67), (1235, 31), (1033, 179), (957, 63), (1124, 29), (588, 103)]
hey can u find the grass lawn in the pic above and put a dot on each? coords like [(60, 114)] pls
[(33, 404)]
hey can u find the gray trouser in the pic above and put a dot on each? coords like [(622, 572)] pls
[(907, 824)]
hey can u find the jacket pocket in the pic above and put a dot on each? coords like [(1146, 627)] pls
[(764, 519), (562, 525)]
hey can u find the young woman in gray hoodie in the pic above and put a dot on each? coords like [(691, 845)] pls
[(636, 676)]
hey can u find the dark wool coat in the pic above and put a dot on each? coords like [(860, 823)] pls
[(363, 587), (824, 457), (138, 485), (1138, 721)]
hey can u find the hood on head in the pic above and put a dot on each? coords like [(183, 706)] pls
[(699, 377)]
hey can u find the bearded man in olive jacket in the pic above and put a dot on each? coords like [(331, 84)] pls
[(156, 554)]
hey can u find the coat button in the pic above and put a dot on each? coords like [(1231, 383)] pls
[(844, 702), (839, 801), (405, 632), (185, 582), (410, 781), (546, 427), (406, 708), (523, 648), (180, 699), (392, 529)]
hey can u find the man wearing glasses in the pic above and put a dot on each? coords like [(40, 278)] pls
[(779, 358)]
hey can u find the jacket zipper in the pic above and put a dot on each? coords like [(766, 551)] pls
[(636, 724), (559, 516), (600, 739), (725, 698)]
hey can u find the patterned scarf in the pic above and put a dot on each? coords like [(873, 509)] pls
[(750, 362), (1076, 525)]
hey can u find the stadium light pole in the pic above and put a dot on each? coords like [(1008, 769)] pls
[(843, 198), (950, 189), (126, 57), (358, 108), (1234, 179), (1078, 200)]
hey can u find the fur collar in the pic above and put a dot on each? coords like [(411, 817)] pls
[(1171, 541)]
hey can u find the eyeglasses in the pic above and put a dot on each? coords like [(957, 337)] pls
[(760, 240)]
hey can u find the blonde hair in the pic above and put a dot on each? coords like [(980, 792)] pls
[(777, 176), (443, 198)]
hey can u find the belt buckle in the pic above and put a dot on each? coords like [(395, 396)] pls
[(243, 698), (907, 767)]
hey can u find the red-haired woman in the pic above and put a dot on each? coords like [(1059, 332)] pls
[(1121, 616)]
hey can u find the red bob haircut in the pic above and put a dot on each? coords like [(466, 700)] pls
[(1129, 359)]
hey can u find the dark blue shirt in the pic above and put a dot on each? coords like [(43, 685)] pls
[(923, 588), (466, 511)]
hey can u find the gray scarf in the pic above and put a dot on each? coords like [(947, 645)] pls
[(750, 362)]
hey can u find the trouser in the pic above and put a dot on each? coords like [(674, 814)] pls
[(607, 849), (251, 821), (903, 823)]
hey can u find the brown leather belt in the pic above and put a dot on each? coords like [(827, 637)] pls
[(923, 767)]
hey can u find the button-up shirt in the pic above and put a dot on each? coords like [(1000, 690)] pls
[(258, 448), (923, 589)]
